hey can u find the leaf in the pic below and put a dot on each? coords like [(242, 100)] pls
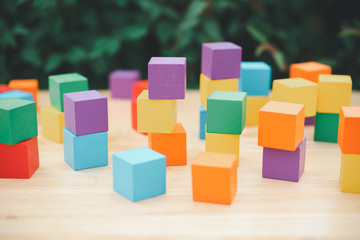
[(164, 31), (105, 46), (212, 29), (76, 55), (8, 40), (134, 32), (255, 33), (20, 30), (279, 60), (349, 32), (31, 56), (184, 40), (196, 8), (53, 62)]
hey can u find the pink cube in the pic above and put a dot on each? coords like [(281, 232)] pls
[(121, 82)]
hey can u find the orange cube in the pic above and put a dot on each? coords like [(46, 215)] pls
[(138, 87), (281, 125), (172, 145), (309, 70), (27, 85), (349, 130), (4, 88), (214, 177)]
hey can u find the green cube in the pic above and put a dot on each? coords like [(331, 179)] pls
[(65, 83), (226, 112), (326, 127), (18, 120)]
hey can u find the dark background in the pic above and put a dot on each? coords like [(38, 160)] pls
[(43, 37)]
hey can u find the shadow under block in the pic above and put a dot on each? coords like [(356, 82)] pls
[(3, 88), (202, 122), (254, 104), (309, 70), (172, 145), (214, 177), (281, 125), (226, 112), (27, 85), (18, 120), (65, 83), (20, 160), (17, 94), (138, 87), (349, 130), (221, 60), (283, 164), (350, 173), (222, 143), (207, 86), (86, 151), (121, 83), (334, 92), (296, 90), (167, 77), (52, 121), (326, 127), (86, 112), (255, 78), (155, 116), (139, 173)]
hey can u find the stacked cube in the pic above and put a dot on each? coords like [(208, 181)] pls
[(220, 71), (19, 154), (27, 85), (138, 87), (281, 133), (121, 83), (17, 94), (334, 92)]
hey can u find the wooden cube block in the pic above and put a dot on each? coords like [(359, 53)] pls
[(255, 78), (139, 173), (309, 121), (349, 130), (334, 92), (326, 127), (121, 83), (202, 122), (52, 122), (254, 104), (222, 143), (350, 173), (226, 112), (18, 120), (309, 70), (155, 116), (138, 87), (27, 85), (214, 177), (65, 83), (172, 145), (17, 94), (281, 125), (3, 88)]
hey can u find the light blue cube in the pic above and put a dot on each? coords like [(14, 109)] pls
[(85, 151), (255, 78), (17, 94), (139, 173), (202, 122)]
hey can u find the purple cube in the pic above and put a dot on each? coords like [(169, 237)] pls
[(85, 112), (167, 77), (283, 164), (121, 82), (221, 60), (310, 121)]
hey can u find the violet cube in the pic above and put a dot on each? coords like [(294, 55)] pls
[(85, 112), (167, 77), (121, 82), (221, 60), (283, 164)]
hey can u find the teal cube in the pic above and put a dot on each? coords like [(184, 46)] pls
[(17, 94), (65, 83), (326, 127), (18, 120), (139, 173), (226, 112), (255, 78), (202, 122)]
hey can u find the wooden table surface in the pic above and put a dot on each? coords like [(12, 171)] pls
[(58, 202)]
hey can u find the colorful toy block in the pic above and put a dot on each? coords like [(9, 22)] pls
[(207, 86), (254, 104), (326, 127), (52, 122), (296, 90), (309, 121), (309, 70), (221, 60), (281, 125), (121, 83), (255, 78), (134, 114), (214, 177), (349, 130), (283, 164), (27, 85), (138, 87), (334, 92), (167, 77), (202, 122), (349, 173), (18, 120), (86, 112), (86, 151), (226, 112), (20, 160), (222, 143), (155, 116), (17, 94), (139, 173), (172, 145), (65, 83), (3, 88)]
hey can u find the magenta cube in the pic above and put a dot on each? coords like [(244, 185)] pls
[(283, 164), (167, 77), (221, 60), (121, 82), (85, 112)]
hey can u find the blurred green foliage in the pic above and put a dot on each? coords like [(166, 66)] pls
[(43, 37)]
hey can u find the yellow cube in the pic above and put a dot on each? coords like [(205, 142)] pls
[(52, 122), (207, 86), (296, 90), (155, 116), (222, 143), (350, 173), (254, 103), (334, 92)]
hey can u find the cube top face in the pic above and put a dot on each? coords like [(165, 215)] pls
[(295, 82), (17, 94), (140, 155), (283, 108), (179, 128), (219, 160), (333, 78), (167, 61), (309, 70), (67, 77), (312, 66), (221, 46), (84, 96), (12, 103), (255, 66), (255, 78), (351, 112), (138, 87), (24, 84), (227, 96), (349, 130), (125, 74)]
